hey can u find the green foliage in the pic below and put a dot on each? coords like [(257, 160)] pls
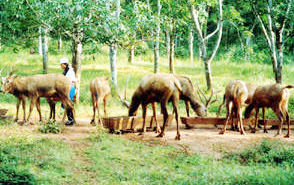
[(51, 127), (271, 152), (33, 161)]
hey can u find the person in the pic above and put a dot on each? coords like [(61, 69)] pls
[(69, 73)]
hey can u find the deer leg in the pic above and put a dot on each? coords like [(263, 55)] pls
[(187, 108), (94, 110), (155, 118), (288, 122), (33, 101), (24, 108), (97, 107), (256, 119), (17, 109), (229, 114), (264, 121), (53, 110), (239, 115), (233, 114), (165, 115), (175, 106), (39, 109), (144, 108), (280, 115), (105, 102)]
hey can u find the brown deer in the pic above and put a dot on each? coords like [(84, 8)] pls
[(188, 95), (157, 88), (235, 96), (36, 86), (276, 97), (100, 90), (250, 88)]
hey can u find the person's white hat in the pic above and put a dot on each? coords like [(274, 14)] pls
[(64, 60)]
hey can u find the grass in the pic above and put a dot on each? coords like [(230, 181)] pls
[(34, 158), (111, 160), (224, 69)]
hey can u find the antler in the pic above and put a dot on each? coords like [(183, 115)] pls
[(208, 101), (124, 100)]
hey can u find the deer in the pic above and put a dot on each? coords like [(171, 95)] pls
[(160, 88), (100, 90), (36, 86), (188, 95), (274, 96), (250, 89), (235, 96)]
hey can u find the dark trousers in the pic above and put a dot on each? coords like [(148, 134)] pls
[(70, 115)]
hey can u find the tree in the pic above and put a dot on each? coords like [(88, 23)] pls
[(273, 18), (203, 37)]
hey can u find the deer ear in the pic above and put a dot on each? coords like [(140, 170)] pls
[(107, 78)]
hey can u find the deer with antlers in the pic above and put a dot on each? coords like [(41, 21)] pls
[(36, 86)]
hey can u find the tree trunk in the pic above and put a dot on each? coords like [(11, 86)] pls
[(45, 50), (167, 43), (207, 69), (171, 56), (76, 64), (59, 43), (131, 54), (191, 41), (112, 57), (157, 35), (40, 41)]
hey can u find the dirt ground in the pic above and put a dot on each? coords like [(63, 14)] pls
[(205, 141)]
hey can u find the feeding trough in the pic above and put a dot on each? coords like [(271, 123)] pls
[(133, 123), (190, 122)]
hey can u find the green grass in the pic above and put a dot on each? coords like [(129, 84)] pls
[(106, 159), (224, 69), (34, 161)]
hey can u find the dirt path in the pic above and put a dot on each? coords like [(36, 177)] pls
[(203, 141)]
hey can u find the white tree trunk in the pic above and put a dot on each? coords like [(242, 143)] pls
[(131, 54), (112, 57), (45, 50), (156, 48), (40, 41), (203, 40), (59, 43), (191, 40), (167, 43), (77, 64), (172, 51)]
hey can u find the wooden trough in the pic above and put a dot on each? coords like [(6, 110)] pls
[(133, 123), (190, 122)]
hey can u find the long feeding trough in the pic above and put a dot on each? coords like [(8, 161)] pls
[(133, 123), (190, 122)]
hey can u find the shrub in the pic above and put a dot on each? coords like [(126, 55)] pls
[(51, 127)]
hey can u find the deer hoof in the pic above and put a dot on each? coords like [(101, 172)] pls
[(93, 123), (242, 133), (265, 131), (178, 137), (253, 130), (221, 132), (141, 134), (287, 136), (160, 135)]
